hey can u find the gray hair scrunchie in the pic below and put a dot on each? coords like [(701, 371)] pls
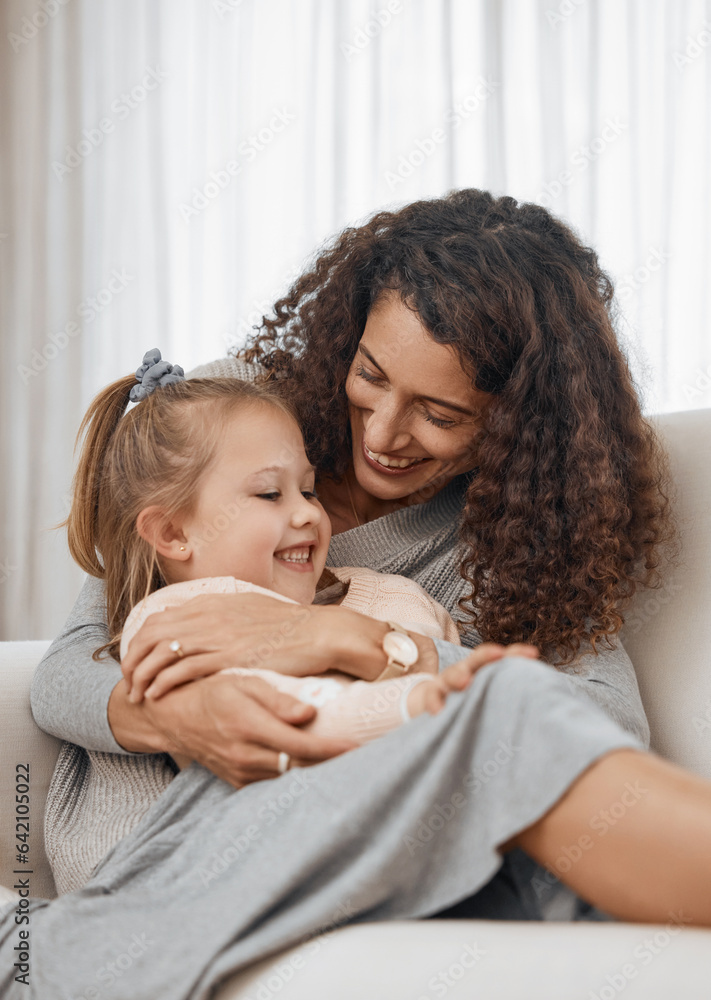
[(153, 373)]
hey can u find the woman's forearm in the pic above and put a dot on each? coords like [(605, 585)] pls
[(132, 729), (353, 643)]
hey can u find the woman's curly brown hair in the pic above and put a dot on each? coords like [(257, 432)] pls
[(569, 506)]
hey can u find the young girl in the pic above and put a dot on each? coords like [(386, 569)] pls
[(205, 487)]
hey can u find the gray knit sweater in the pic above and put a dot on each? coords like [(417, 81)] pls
[(70, 691)]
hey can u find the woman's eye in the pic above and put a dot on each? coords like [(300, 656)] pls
[(268, 496), (309, 494), (438, 422), (363, 373), (368, 376)]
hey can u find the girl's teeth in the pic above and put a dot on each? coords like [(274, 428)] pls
[(392, 463), (299, 557)]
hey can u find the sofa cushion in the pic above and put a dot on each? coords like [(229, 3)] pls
[(508, 960)]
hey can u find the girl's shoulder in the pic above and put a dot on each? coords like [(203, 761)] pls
[(367, 585), (386, 596)]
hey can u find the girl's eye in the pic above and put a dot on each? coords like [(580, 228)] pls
[(438, 422), (309, 494), (268, 496), (368, 376)]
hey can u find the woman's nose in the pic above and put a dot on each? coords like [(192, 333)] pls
[(386, 429)]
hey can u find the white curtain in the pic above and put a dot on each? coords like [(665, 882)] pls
[(168, 165)]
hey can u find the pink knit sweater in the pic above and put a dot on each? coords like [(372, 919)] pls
[(347, 708)]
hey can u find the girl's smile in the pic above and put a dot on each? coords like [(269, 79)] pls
[(297, 557)]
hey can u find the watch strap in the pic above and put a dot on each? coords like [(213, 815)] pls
[(392, 671)]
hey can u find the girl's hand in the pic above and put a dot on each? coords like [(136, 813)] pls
[(235, 726), (431, 696), (250, 630)]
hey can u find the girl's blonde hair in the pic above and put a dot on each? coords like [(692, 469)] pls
[(155, 454)]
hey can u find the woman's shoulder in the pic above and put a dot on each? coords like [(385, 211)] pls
[(229, 367)]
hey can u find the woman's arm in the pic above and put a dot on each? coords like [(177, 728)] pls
[(608, 678), (217, 631), (70, 691), (234, 726)]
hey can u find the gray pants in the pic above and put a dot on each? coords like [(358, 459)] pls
[(214, 879)]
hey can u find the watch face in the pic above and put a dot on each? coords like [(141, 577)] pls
[(401, 648)]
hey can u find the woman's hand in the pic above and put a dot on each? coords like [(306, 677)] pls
[(235, 726), (250, 630)]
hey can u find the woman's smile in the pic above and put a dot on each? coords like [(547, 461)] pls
[(391, 465)]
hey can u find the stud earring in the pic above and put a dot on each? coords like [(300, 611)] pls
[(182, 548)]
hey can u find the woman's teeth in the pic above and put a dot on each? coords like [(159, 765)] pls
[(294, 555), (391, 463)]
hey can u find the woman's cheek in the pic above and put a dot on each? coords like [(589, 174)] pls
[(466, 454), (359, 394), (455, 450)]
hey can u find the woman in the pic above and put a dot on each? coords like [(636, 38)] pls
[(474, 426)]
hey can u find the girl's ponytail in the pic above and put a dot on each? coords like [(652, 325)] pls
[(100, 422)]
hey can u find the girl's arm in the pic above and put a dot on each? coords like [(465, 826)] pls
[(364, 711), (357, 710)]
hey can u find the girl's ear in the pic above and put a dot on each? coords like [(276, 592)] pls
[(160, 532)]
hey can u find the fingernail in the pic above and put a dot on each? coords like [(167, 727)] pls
[(150, 693)]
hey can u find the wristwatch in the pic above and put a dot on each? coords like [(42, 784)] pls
[(401, 651)]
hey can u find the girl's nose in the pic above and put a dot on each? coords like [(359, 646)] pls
[(305, 511)]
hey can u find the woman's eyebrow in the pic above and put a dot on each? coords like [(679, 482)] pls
[(430, 399), (370, 358)]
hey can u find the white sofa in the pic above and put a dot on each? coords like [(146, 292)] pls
[(668, 636)]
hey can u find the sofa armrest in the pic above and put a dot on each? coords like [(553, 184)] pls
[(23, 742)]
